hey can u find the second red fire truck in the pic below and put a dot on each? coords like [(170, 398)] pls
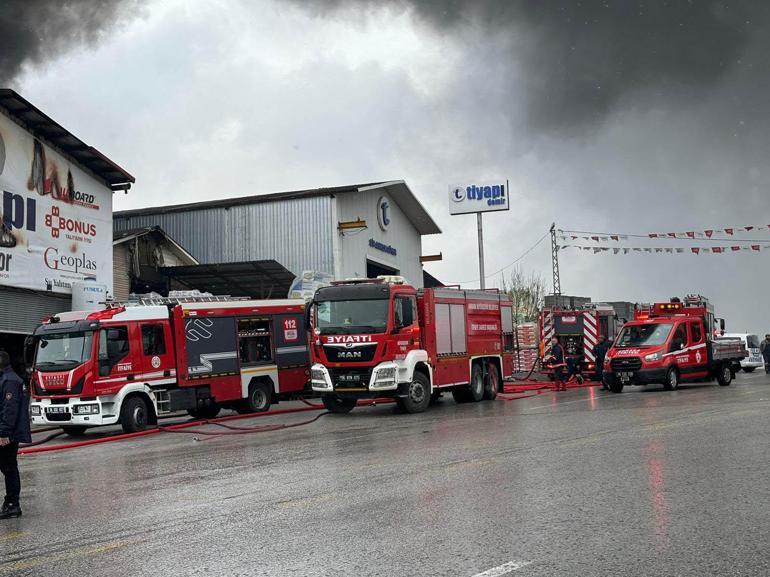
[(383, 338), (673, 342), (128, 364)]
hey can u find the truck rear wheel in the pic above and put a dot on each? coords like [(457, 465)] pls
[(672, 380), (134, 415), (338, 405), (725, 375), (491, 383), (417, 396), (258, 401), (209, 411), (74, 430), (473, 391)]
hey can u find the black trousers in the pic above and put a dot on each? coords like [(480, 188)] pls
[(9, 466)]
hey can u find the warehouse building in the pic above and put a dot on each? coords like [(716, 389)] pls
[(56, 226), (360, 230)]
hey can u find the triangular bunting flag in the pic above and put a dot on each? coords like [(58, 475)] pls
[(615, 250), (614, 237), (709, 233), (748, 228), (672, 234), (653, 235), (735, 248), (670, 250), (625, 251), (648, 250), (597, 249), (637, 250), (596, 238), (695, 250), (690, 234), (729, 231), (716, 249), (680, 250), (658, 250), (755, 247)]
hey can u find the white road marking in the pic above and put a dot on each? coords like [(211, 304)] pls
[(504, 569)]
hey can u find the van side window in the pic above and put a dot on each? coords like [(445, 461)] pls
[(697, 332), (680, 338), (153, 340)]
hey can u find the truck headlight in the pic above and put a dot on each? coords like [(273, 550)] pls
[(387, 375), (92, 409), (35, 410), (653, 356), (317, 376)]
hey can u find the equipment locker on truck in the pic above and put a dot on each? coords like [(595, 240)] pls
[(673, 342), (128, 364), (384, 338)]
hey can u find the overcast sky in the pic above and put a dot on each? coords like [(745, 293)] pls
[(605, 116)]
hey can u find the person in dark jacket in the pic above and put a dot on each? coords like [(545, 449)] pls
[(558, 364), (600, 352), (14, 429), (764, 348)]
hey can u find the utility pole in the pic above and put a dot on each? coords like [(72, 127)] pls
[(482, 284), (555, 261)]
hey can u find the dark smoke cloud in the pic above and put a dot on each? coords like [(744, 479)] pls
[(32, 31), (580, 58)]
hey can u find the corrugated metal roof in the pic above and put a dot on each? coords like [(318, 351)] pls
[(42, 126), (398, 189)]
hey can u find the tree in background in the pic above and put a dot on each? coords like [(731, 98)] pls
[(527, 291)]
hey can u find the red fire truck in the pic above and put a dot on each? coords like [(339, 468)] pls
[(384, 338), (673, 342), (578, 331), (128, 364)]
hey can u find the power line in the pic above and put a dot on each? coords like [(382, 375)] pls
[(525, 253)]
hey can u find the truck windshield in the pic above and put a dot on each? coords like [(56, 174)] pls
[(63, 352), (644, 335), (354, 316)]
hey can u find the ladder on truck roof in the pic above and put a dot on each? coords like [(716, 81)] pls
[(165, 301)]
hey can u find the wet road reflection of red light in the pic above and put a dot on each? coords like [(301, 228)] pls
[(655, 463)]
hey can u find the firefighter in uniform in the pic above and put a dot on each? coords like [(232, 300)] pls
[(14, 429), (558, 364)]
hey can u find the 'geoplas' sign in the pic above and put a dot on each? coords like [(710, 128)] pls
[(478, 197), (55, 219)]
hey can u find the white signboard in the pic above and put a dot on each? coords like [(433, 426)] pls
[(55, 220), (478, 197)]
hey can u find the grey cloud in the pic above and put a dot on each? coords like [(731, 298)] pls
[(580, 58), (32, 31)]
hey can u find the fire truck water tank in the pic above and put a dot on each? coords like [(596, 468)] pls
[(88, 296)]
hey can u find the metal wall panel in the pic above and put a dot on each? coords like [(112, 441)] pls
[(400, 234), (295, 232), (22, 311), (121, 279)]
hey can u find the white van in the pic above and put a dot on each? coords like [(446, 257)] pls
[(754, 360)]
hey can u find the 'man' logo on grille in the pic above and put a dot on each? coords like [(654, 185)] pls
[(349, 354)]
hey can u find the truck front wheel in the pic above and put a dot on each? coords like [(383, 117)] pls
[(725, 375), (338, 405), (418, 395), (672, 380), (134, 415)]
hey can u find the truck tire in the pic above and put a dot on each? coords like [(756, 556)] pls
[(672, 380), (74, 430), (209, 411), (491, 383), (476, 386), (417, 396), (616, 386), (258, 401), (724, 375), (338, 405), (748, 369), (134, 415)]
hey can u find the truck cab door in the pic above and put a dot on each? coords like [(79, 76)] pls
[(157, 353), (117, 358), (679, 349), (405, 325)]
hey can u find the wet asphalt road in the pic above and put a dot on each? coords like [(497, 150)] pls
[(579, 483)]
